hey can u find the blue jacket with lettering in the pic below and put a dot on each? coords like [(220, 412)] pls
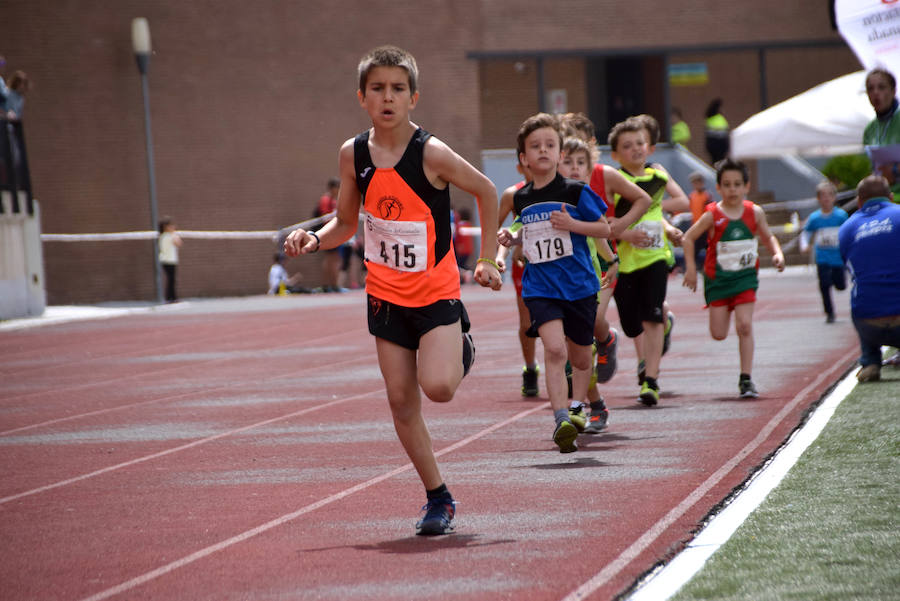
[(870, 247)]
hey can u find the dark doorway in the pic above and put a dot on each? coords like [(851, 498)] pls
[(622, 86)]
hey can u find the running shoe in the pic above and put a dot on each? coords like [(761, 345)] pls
[(642, 372), (748, 390), (649, 395), (577, 415), (564, 436), (598, 421), (667, 333), (468, 357), (606, 357), (530, 381), (893, 360), (569, 378), (439, 514)]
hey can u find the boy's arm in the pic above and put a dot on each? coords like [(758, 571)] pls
[(768, 238), (678, 201), (604, 249), (674, 234), (562, 220), (345, 222), (687, 243), (441, 160), (640, 200)]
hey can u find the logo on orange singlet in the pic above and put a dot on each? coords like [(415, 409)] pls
[(389, 208)]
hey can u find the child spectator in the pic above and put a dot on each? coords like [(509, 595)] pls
[(402, 176), (333, 260), (699, 198), (823, 225), (730, 273), (463, 243), (559, 286), (279, 280), (169, 243)]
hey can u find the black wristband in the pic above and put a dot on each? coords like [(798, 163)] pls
[(318, 242)]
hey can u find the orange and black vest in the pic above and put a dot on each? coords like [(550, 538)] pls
[(409, 250)]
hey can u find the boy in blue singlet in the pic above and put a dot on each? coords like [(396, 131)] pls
[(559, 286), (822, 226)]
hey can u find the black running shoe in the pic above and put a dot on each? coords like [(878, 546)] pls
[(468, 357), (747, 389), (530, 381), (439, 514), (667, 332)]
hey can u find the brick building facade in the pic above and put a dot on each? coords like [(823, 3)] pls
[(250, 102)]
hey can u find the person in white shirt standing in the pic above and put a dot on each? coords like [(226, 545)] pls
[(169, 243)]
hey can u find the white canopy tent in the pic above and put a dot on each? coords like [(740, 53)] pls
[(828, 119)]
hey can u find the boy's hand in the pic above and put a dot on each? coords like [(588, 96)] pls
[(487, 275), (504, 237), (501, 263), (616, 228), (690, 279), (300, 242), (561, 219), (778, 261), (610, 276), (674, 235), (636, 237)]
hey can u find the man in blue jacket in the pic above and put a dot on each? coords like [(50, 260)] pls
[(870, 247)]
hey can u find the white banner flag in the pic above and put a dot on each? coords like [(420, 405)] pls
[(872, 29)]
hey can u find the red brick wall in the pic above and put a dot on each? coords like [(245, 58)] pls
[(250, 102)]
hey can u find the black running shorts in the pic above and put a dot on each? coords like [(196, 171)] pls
[(577, 316), (640, 295), (406, 325)]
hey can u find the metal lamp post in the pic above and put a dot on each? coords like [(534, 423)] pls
[(140, 41)]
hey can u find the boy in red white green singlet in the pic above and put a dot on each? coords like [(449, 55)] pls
[(733, 227)]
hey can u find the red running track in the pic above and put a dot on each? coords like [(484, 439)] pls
[(243, 449)]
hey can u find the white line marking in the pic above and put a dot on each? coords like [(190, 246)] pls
[(162, 570), (637, 547), (665, 583), (189, 445)]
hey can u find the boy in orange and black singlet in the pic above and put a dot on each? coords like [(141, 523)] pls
[(402, 174)]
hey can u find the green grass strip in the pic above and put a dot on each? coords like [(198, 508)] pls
[(831, 529)]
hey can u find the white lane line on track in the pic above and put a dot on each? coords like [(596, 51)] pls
[(289, 374), (197, 555), (183, 447), (666, 582), (656, 530)]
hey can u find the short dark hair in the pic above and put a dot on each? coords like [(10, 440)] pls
[(892, 81), (577, 125), (533, 123), (729, 164), (164, 223), (872, 186), (388, 56), (652, 126), (713, 108), (632, 124)]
